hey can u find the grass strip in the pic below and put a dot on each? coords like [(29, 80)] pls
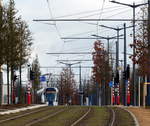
[(99, 116), (23, 120), (65, 118)]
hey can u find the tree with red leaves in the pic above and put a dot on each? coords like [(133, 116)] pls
[(101, 69), (67, 87), (141, 57)]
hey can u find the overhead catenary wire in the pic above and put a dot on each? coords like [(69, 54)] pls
[(51, 15), (124, 11), (55, 25), (97, 27), (72, 35), (55, 22), (89, 15), (87, 12)]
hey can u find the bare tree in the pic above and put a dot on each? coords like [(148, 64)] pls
[(67, 86)]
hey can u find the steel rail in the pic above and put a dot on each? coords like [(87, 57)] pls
[(22, 115), (82, 117), (113, 117), (44, 118), (133, 116)]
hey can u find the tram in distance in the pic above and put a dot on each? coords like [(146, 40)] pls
[(49, 95)]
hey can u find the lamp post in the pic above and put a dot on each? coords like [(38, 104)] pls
[(148, 30), (132, 6)]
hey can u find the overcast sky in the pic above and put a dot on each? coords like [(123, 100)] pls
[(47, 38)]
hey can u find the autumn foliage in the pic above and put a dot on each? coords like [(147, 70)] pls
[(67, 87), (101, 63), (142, 57)]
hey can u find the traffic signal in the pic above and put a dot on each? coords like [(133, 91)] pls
[(128, 72), (32, 75), (117, 77), (124, 75), (15, 78)]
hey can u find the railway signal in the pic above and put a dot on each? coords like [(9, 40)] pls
[(32, 75)]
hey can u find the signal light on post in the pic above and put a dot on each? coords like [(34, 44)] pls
[(15, 78), (32, 75), (128, 72), (124, 75), (117, 77)]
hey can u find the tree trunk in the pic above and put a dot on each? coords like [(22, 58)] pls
[(12, 86), (8, 84), (20, 86), (1, 86)]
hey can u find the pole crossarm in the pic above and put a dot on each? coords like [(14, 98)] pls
[(73, 60), (70, 53), (129, 5), (59, 67), (81, 38), (69, 64), (114, 28), (114, 37), (59, 20)]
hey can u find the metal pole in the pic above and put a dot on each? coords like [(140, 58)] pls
[(80, 87), (144, 92), (116, 56), (117, 63), (148, 76), (117, 50), (139, 91), (134, 84), (108, 44), (125, 65), (149, 27), (1, 73)]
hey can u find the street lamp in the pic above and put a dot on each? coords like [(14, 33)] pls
[(117, 42), (132, 6), (108, 38)]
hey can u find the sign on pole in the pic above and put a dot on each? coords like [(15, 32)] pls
[(42, 78), (111, 84)]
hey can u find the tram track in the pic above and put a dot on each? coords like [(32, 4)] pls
[(22, 115), (81, 118), (120, 117), (29, 117), (72, 116), (112, 117), (44, 118)]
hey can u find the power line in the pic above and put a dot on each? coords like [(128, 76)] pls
[(91, 11), (51, 15), (108, 11), (120, 12)]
